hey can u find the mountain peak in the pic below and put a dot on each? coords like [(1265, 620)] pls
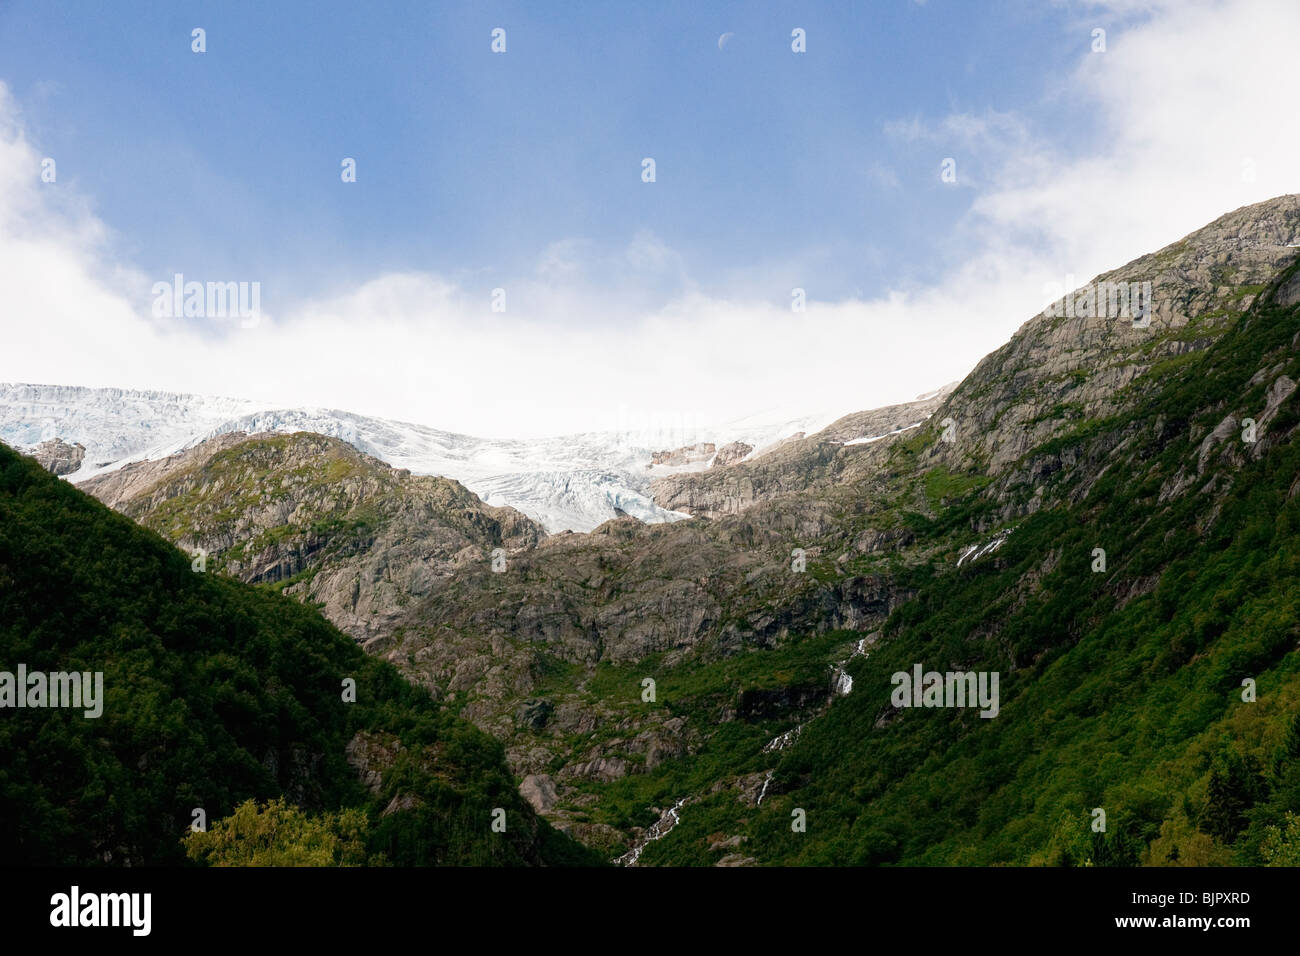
[(1078, 359)]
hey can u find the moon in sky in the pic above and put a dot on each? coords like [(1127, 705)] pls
[(722, 40)]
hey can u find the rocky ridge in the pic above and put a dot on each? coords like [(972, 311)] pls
[(317, 518)]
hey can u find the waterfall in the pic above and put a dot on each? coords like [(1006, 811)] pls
[(781, 741), (658, 830), (841, 684)]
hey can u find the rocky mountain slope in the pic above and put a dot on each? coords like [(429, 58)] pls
[(836, 454), (578, 623), (1059, 371), (58, 457), (698, 681), (317, 519), (1140, 611)]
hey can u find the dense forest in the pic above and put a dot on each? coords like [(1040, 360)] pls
[(219, 697)]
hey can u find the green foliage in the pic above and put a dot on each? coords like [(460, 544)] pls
[(280, 834), (1281, 845), (1236, 785), (942, 485), (216, 693)]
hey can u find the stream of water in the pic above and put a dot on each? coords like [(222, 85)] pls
[(658, 830), (841, 684)]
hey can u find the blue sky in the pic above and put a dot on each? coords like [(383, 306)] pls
[(522, 171), (471, 163)]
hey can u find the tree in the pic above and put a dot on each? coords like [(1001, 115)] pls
[(1281, 845), (1236, 785), (280, 834)]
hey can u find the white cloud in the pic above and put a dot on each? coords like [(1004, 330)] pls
[(1183, 98), (968, 130)]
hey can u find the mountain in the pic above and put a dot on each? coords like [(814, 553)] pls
[(1103, 514), (570, 482), (1156, 682), (965, 543), (317, 519), (405, 564), (797, 464), (214, 693)]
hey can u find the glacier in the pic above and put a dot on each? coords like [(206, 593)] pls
[(565, 483)]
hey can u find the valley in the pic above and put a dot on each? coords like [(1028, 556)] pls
[(707, 653)]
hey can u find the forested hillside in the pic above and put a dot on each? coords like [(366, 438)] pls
[(216, 693)]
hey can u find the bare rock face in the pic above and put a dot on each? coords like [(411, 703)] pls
[(686, 455), (731, 453), (539, 790), (1281, 389), (604, 769), (1289, 293), (370, 755), (116, 488), (534, 714), (1224, 430), (845, 450), (58, 457)]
